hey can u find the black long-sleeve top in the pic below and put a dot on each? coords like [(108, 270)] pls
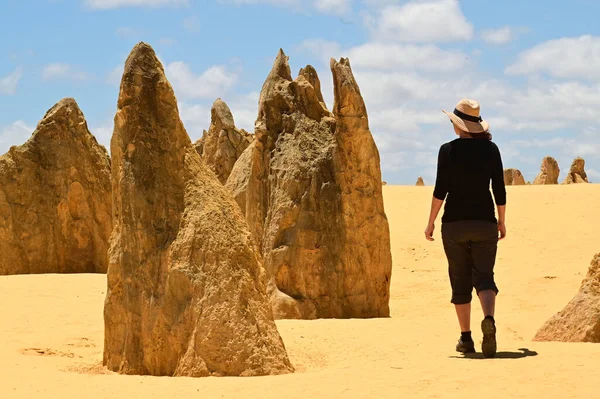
[(464, 171)]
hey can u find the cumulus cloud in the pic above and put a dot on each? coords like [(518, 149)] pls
[(9, 83), (63, 71), (112, 4), (498, 36), (422, 21), (211, 83), (562, 58), (14, 134), (337, 7)]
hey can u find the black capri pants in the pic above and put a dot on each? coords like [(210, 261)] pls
[(470, 247)]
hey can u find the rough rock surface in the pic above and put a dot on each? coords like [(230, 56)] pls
[(223, 144), (579, 321), (310, 187), (513, 177), (186, 290), (55, 204), (420, 182), (577, 172), (549, 172)]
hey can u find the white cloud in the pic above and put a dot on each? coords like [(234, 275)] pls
[(422, 21), (212, 83), (562, 58), (498, 36), (63, 71), (393, 56), (112, 4), (191, 23), (9, 83), (336, 7), (14, 134), (285, 3), (389, 56)]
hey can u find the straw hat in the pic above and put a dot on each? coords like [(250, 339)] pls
[(466, 117)]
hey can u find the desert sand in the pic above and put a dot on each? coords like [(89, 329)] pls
[(51, 326)]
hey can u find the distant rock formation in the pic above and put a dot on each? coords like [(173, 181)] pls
[(420, 182), (55, 204), (577, 172), (579, 321), (513, 177), (310, 187), (186, 290), (223, 144), (384, 183), (549, 172)]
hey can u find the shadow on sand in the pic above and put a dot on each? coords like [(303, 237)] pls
[(499, 355)]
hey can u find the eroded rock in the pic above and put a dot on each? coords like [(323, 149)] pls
[(223, 144), (577, 172), (579, 321), (307, 185), (55, 204), (420, 182), (549, 172), (186, 289), (513, 177)]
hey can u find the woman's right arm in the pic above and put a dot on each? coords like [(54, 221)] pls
[(499, 189)]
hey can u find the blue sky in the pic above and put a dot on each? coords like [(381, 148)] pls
[(534, 66)]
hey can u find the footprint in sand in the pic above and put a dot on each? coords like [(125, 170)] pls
[(47, 352)]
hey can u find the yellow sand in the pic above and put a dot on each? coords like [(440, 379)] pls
[(51, 326)]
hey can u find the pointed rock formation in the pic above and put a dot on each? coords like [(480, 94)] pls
[(579, 321), (577, 172), (312, 196), (420, 182), (199, 144), (549, 172), (365, 253), (223, 144), (186, 290), (55, 204), (513, 177)]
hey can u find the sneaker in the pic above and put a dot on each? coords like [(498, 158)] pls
[(465, 346), (488, 346)]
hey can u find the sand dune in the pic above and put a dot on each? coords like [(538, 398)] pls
[(52, 326)]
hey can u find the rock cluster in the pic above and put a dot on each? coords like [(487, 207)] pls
[(549, 172), (577, 172), (513, 177), (186, 289), (55, 203), (579, 321), (223, 144), (310, 188)]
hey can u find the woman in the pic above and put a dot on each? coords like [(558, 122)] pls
[(469, 225)]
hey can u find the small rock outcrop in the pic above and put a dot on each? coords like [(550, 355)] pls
[(310, 187), (513, 177), (186, 290), (223, 144), (549, 172), (579, 321), (55, 203), (577, 172), (420, 182)]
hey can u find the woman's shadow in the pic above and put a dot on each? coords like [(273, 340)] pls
[(524, 352)]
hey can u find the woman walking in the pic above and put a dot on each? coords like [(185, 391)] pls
[(470, 229)]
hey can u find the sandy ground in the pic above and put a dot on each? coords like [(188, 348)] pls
[(51, 326)]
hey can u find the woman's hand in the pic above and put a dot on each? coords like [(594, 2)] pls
[(502, 230), (429, 232)]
